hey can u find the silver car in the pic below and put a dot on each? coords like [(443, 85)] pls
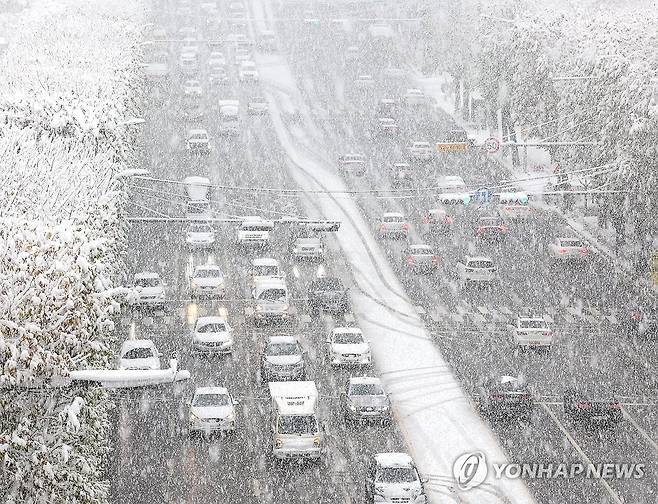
[(365, 399)]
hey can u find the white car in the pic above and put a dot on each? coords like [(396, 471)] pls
[(393, 224), (387, 126), (347, 346), (188, 63), (207, 280), (257, 106), (192, 88), (569, 249), (414, 97), (199, 235), (393, 477), (353, 164), (197, 141), (139, 354), (308, 246), (265, 267), (364, 82), (212, 335), (452, 183), (148, 289), (532, 332), (247, 72), (476, 270), (421, 151), (212, 409), (255, 232)]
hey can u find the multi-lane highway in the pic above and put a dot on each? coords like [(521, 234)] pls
[(156, 461)]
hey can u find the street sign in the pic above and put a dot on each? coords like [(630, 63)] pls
[(444, 147), (483, 196), (491, 145)]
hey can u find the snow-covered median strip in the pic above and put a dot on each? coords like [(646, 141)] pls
[(433, 412)]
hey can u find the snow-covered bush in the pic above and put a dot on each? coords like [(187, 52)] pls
[(71, 77)]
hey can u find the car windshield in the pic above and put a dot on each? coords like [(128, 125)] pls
[(147, 282), (200, 228), (348, 338), (213, 327), (276, 349), (273, 295), (207, 273), (203, 400), (533, 324), (489, 221), (366, 389), (255, 227), (396, 475), (266, 271), (480, 264), (571, 243), (138, 353), (294, 424)]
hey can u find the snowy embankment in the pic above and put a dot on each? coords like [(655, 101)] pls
[(433, 412), (71, 76)]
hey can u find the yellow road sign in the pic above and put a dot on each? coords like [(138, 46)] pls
[(459, 147)]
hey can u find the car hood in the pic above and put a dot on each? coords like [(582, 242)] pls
[(395, 490), (369, 401), (150, 291), (212, 337), (283, 360), (208, 282), (212, 411), (308, 242), (358, 348)]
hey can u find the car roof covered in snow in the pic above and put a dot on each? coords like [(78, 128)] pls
[(279, 340), (264, 261), (146, 274), (394, 459), (366, 380), (347, 330), (393, 214), (211, 390), (212, 319)]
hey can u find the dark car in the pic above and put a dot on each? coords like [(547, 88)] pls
[(491, 228), (505, 397), (328, 294), (594, 406)]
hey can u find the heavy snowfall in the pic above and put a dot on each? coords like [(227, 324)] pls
[(328, 251)]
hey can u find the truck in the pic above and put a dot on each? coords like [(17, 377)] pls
[(296, 431), (198, 205)]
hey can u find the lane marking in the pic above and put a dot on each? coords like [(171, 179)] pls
[(642, 432), (613, 495)]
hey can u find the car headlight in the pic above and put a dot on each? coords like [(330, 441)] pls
[(259, 308), (351, 407), (267, 364), (379, 491), (194, 285), (193, 418), (278, 442), (230, 417), (317, 441), (295, 250), (285, 307)]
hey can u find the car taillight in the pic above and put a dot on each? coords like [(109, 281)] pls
[(405, 226), (615, 405), (480, 230), (584, 405), (547, 333), (382, 227), (504, 229), (426, 219), (435, 259), (410, 260), (448, 220), (497, 397), (584, 251), (563, 251)]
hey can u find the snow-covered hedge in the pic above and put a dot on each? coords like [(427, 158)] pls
[(71, 76)]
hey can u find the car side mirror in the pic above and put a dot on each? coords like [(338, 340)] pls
[(236, 402), (160, 354), (327, 341), (187, 402), (424, 479)]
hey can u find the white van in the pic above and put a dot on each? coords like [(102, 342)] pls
[(296, 432)]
